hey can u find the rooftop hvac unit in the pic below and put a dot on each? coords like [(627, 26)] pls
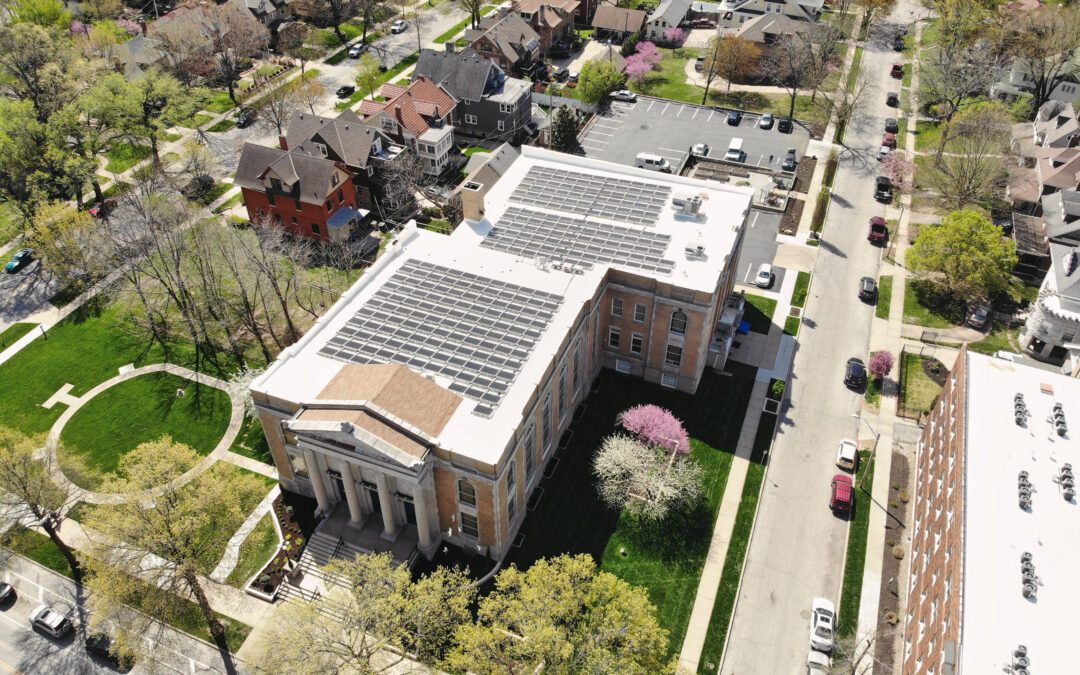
[(1069, 494), (1030, 590), (1023, 474), (1025, 502), (694, 251), (1021, 662), (1066, 467), (1021, 650), (1025, 557), (1027, 567), (687, 204)]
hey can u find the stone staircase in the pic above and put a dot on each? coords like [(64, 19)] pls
[(320, 550)]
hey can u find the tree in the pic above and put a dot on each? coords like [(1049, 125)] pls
[(900, 170), (167, 543), (874, 11), (381, 607), (35, 65), (966, 254), (1045, 44), (563, 128), (69, 243), (294, 43), (731, 58), (148, 106), (656, 426), (597, 79), (368, 74), (881, 364), (643, 61), (473, 7), (674, 35), (27, 490), (278, 107), (563, 616), (93, 10), (973, 167), (842, 101), (644, 479), (789, 63), (231, 35), (328, 14), (44, 13), (309, 92)]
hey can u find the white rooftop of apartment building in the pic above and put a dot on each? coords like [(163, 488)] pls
[(483, 312), (997, 617)]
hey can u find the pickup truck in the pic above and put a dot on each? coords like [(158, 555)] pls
[(879, 231)]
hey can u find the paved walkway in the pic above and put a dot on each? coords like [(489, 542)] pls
[(232, 549)]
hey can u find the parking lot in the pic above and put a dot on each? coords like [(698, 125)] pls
[(759, 246), (669, 129)]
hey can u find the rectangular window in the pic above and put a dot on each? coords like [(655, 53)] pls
[(613, 337), (616, 308), (669, 380), (466, 493), (564, 400), (636, 342), (341, 195), (506, 107), (299, 467), (530, 453), (270, 198), (511, 510), (549, 432), (639, 312), (470, 119), (299, 206), (294, 222), (315, 229), (576, 378), (501, 125), (622, 366), (469, 526), (511, 478), (673, 356), (275, 184)]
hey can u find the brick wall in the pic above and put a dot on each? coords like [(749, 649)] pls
[(307, 221)]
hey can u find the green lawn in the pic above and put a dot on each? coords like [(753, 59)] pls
[(917, 390), (997, 340), (13, 333), (665, 557), (929, 33), (851, 590), (36, 546), (230, 202), (927, 135), (873, 391), (802, 287), (223, 125), (11, 223), (218, 102), (328, 38), (173, 137), (251, 442), (196, 121), (460, 26), (143, 409), (855, 61), (123, 156), (884, 296), (713, 651), (255, 552), (213, 194), (469, 152), (926, 305), (791, 325), (759, 312)]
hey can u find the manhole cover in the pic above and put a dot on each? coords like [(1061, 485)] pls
[(805, 614), (796, 311)]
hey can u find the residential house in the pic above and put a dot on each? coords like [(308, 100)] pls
[(585, 11), (705, 10), (669, 14), (618, 22), (138, 55), (993, 548), (489, 104), (1061, 214), (308, 195), (426, 405), (1048, 151), (1054, 320), (416, 117), (508, 40), (735, 13), (766, 30), (267, 12), (488, 167), (553, 20)]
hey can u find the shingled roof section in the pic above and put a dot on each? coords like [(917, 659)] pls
[(619, 19), (303, 177), (465, 75), (346, 138), (414, 106)]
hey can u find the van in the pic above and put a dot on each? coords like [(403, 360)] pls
[(735, 152), (645, 160)]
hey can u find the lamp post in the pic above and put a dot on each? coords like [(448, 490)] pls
[(873, 451)]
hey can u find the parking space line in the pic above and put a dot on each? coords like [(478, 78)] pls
[(650, 106), (666, 106), (696, 111), (711, 113), (599, 133)]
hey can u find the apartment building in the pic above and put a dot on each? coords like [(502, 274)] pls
[(994, 545), (430, 398)]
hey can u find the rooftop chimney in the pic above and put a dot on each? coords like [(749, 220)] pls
[(283, 143), (472, 200), (449, 47)]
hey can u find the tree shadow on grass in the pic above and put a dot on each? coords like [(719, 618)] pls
[(745, 100), (937, 300), (683, 534)]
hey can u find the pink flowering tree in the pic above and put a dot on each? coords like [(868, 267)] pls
[(674, 35), (657, 427), (637, 68), (649, 52), (128, 25), (78, 28), (900, 170), (881, 364)]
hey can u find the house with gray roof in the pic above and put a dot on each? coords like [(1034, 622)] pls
[(508, 40), (267, 12), (735, 13), (490, 104), (1054, 321), (1061, 215), (669, 14), (619, 22)]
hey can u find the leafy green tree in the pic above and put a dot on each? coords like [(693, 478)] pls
[(966, 254), (597, 79), (35, 64), (45, 13), (381, 608), (973, 166), (148, 106), (1045, 45), (368, 75), (563, 616), (23, 182), (563, 128), (70, 244), (874, 10)]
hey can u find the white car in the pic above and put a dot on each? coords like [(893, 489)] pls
[(624, 95), (883, 152), (50, 621), (822, 625), (818, 663), (399, 26), (847, 455), (766, 121), (700, 150), (355, 51), (764, 276)]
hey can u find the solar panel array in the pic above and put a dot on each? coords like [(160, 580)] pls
[(628, 201), (474, 330), (578, 241)]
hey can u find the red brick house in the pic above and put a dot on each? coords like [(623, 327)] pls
[(553, 20)]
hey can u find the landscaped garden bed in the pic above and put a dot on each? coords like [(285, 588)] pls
[(266, 584)]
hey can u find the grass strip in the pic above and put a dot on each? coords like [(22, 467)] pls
[(791, 325), (851, 589), (759, 313), (223, 125), (802, 287), (255, 552), (884, 298), (14, 332), (853, 74)]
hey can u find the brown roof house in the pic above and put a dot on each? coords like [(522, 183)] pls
[(553, 20), (417, 117), (509, 41), (618, 21)]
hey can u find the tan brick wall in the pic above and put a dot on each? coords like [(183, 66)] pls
[(935, 577), (445, 496), (485, 514)]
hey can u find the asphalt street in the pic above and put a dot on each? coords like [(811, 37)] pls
[(798, 547), (23, 293)]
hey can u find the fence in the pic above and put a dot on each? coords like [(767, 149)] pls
[(905, 409), (556, 101)]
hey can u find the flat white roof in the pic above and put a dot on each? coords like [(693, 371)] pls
[(301, 372), (997, 617)]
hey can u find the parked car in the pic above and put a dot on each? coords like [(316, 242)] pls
[(978, 315), (879, 230), (6, 591), (891, 126), (624, 95), (699, 64), (703, 23), (356, 50), (50, 621), (889, 140), (20, 260), (789, 162), (897, 70), (818, 663), (848, 454), (399, 26), (700, 150), (883, 189), (101, 646), (764, 276), (561, 74), (855, 373), (823, 622), (842, 494), (246, 117), (103, 208), (883, 152), (766, 121), (892, 99), (867, 288), (734, 117), (898, 43), (345, 91), (573, 76), (785, 125)]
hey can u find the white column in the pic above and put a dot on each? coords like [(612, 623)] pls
[(312, 463), (386, 501), (423, 524), (356, 514)]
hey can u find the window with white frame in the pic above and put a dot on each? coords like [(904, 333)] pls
[(639, 312), (470, 119), (500, 125), (669, 380), (507, 107), (389, 125), (614, 337), (636, 342), (511, 478), (616, 308)]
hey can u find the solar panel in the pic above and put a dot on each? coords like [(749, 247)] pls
[(578, 241), (620, 199), (463, 320)]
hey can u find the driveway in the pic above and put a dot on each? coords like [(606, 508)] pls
[(23, 293), (669, 129), (798, 548)]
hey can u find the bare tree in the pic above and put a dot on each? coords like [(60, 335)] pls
[(294, 43), (789, 64), (1045, 44), (186, 53), (233, 35), (309, 92), (854, 655), (731, 58), (842, 102), (973, 167), (278, 107), (473, 7), (265, 256), (329, 13)]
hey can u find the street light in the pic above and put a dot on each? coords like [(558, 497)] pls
[(873, 451)]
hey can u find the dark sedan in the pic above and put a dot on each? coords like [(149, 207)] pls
[(734, 117), (855, 373), (345, 91), (867, 289)]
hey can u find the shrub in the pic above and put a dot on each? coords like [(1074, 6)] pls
[(881, 364), (820, 208), (830, 169)]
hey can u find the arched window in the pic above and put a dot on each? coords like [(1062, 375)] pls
[(466, 493), (678, 322)]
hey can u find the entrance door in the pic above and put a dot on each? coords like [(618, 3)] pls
[(376, 503), (410, 513), (340, 487)]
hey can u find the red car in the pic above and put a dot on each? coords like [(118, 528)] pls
[(879, 230), (889, 140), (102, 208), (842, 495), (897, 70)]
